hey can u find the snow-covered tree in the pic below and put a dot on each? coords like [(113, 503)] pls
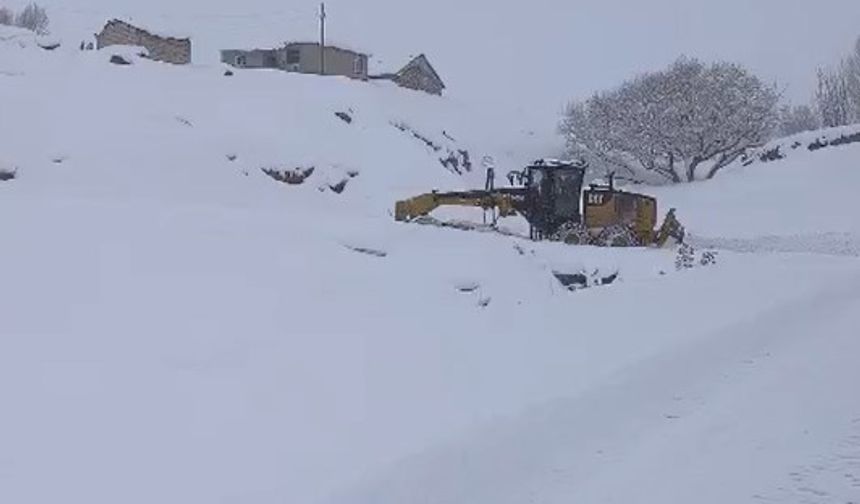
[(33, 18), (797, 119), (7, 17), (681, 124)]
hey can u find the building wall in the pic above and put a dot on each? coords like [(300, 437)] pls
[(169, 50), (337, 61), (258, 58)]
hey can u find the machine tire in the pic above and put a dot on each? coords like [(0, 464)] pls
[(618, 236), (574, 234)]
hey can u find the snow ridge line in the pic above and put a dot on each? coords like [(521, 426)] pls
[(835, 244)]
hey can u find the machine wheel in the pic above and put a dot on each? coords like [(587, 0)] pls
[(618, 236), (573, 233)]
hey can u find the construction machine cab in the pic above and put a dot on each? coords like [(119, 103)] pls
[(553, 191)]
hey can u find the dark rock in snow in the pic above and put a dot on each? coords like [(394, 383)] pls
[(343, 116), (368, 251), (818, 144), (339, 187), (468, 287), (577, 281), (119, 60), (774, 154), (846, 139), (572, 281), (6, 175)]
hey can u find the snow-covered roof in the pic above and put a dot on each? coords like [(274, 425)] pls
[(423, 63), (332, 44), (160, 33)]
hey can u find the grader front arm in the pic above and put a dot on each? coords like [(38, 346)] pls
[(422, 205)]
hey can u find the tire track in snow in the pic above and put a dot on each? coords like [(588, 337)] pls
[(552, 453), (829, 479)]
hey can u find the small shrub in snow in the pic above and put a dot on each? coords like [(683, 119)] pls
[(296, 176), (33, 18), (6, 175), (708, 258), (686, 258)]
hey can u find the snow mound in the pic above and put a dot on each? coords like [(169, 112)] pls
[(805, 192)]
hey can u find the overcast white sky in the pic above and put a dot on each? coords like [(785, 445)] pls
[(533, 54)]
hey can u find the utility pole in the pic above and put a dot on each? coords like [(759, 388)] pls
[(322, 38)]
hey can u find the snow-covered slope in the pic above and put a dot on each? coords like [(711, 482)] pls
[(178, 327)]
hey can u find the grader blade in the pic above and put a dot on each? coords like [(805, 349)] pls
[(672, 232)]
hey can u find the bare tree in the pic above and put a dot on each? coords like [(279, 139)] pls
[(684, 123), (33, 18), (7, 17), (851, 70), (797, 119), (833, 98)]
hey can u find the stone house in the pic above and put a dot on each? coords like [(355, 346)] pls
[(302, 57), (418, 74), (166, 49)]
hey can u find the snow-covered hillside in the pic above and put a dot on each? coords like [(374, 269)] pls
[(176, 326)]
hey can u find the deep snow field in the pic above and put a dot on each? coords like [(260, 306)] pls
[(178, 327)]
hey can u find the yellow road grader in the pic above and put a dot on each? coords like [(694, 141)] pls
[(550, 196)]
